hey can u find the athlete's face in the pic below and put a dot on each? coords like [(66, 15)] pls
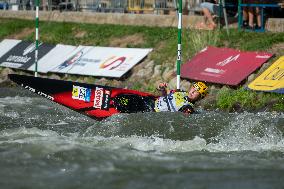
[(193, 94)]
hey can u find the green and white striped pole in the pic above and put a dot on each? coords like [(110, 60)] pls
[(179, 43), (36, 37)]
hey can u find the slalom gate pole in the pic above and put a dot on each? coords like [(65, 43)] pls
[(36, 37), (240, 14), (178, 63)]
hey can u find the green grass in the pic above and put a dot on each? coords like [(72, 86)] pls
[(251, 41), (242, 99), (11, 26)]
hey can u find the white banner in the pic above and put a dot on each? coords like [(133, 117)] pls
[(52, 59), (101, 61), (7, 44), (81, 60)]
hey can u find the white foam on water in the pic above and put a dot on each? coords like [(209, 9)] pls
[(44, 107), (21, 132), (247, 132), (16, 100), (58, 124), (244, 132)]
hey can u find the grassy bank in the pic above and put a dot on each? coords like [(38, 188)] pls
[(164, 44)]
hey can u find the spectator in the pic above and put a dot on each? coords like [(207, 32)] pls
[(251, 13), (210, 10), (245, 17)]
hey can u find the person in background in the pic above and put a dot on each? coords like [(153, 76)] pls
[(245, 17), (255, 12), (210, 10), (182, 101), (249, 15)]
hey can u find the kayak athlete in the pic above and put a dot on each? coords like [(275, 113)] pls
[(182, 101), (169, 101)]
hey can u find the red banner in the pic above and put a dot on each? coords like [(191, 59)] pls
[(223, 65)]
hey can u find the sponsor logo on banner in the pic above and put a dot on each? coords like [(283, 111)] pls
[(30, 48), (78, 59), (276, 74), (213, 70), (81, 93), (113, 62), (22, 55), (98, 99), (71, 61), (228, 60), (11, 65), (205, 49), (263, 56)]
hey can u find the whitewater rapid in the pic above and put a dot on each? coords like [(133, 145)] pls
[(45, 145)]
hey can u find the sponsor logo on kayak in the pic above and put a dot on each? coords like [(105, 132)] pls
[(38, 92), (98, 99), (106, 100), (81, 93)]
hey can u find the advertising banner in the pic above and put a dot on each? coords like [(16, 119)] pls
[(272, 79), (53, 58), (101, 61), (22, 55), (7, 44), (223, 65)]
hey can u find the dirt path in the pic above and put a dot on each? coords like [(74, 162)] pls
[(21, 35)]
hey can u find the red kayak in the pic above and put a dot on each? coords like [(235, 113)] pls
[(95, 101)]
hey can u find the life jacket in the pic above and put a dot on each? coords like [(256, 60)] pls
[(172, 102)]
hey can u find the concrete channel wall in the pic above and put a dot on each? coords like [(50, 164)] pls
[(273, 24)]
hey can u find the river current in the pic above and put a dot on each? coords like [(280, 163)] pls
[(45, 145)]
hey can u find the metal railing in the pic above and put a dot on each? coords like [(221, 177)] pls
[(122, 6)]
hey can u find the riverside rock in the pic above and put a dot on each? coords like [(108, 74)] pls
[(5, 72), (168, 74), (250, 78), (173, 83), (144, 73), (157, 71), (185, 85), (4, 80), (149, 65), (54, 76)]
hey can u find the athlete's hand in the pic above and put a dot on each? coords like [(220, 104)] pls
[(162, 86)]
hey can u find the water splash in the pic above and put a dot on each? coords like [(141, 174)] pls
[(249, 131), (160, 132)]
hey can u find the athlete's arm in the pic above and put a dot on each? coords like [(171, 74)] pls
[(162, 87)]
